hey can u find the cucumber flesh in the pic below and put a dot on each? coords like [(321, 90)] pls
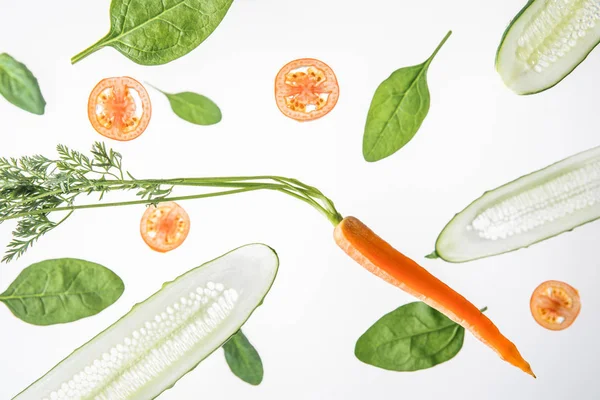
[(530, 209), (546, 41), (166, 336)]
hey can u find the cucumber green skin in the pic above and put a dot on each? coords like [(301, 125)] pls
[(512, 22), (440, 254), (510, 25), (162, 287)]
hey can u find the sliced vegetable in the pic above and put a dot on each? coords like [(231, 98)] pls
[(19, 86), (533, 208), (410, 338), (398, 109), (306, 89), (161, 339), (165, 226), (555, 305), (243, 359), (193, 107), (119, 108), (357, 240), (62, 290), (545, 42), (381, 259), (153, 32)]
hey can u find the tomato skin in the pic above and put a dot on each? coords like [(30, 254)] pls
[(115, 112), (309, 96), (164, 227), (555, 305)]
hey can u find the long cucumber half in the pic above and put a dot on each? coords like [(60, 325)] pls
[(167, 335), (533, 208), (546, 41)]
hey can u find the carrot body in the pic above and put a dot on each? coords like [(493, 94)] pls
[(377, 256)]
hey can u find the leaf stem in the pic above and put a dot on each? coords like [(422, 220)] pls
[(92, 49), (155, 88), (437, 49)]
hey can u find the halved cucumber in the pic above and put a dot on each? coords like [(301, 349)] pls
[(530, 209), (166, 336), (546, 41)]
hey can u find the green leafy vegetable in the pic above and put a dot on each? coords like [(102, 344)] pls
[(410, 338), (243, 359), (62, 290), (398, 108), (154, 32), (19, 86), (193, 107)]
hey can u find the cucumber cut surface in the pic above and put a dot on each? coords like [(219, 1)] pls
[(546, 41), (530, 209), (167, 335)]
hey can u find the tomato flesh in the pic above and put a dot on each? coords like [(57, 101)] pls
[(164, 227), (306, 89), (555, 305), (119, 108)]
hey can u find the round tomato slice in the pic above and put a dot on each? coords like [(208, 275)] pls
[(119, 108), (164, 227), (306, 89), (555, 305)]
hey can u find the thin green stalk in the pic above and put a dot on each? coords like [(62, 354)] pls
[(437, 49), (334, 218), (57, 184), (125, 203)]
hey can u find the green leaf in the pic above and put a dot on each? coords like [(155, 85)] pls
[(62, 290), (410, 338), (433, 255), (243, 359), (19, 86), (398, 108), (154, 32), (193, 107)]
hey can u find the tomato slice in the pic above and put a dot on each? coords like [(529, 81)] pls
[(555, 305), (306, 89), (164, 227), (119, 108)]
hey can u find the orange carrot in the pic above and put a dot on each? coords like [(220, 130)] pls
[(377, 256)]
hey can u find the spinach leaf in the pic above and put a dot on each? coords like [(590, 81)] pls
[(194, 107), (62, 290), (154, 32), (243, 359), (410, 338), (398, 108), (19, 86)]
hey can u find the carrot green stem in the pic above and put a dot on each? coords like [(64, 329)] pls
[(305, 195), (33, 188)]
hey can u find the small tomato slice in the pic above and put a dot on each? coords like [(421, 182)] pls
[(306, 89), (119, 108), (555, 305), (164, 227)]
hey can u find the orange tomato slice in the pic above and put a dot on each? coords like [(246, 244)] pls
[(119, 108), (555, 305), (306, 89), (164, 227)]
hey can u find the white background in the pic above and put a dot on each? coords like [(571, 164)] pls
[(477, 136)]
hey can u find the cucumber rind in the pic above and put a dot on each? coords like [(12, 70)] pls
[(443, 249), (498, 60), (20, 396)]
